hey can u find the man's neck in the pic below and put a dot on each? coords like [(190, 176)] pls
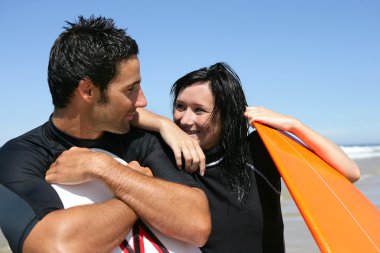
[(74, 124)]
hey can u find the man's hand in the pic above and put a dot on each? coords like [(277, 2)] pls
[(134, 165), (80, 165)]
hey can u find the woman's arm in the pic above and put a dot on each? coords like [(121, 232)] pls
[(323, 147), (182, 144)]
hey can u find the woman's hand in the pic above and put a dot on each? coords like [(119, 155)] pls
[(185, 148), (271, 118), (323, 147)]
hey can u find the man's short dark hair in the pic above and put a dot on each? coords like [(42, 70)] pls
[(90, 48)]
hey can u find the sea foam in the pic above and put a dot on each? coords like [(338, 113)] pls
[(362, 152)]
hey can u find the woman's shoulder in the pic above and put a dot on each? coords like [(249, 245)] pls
[(255, 141), (261, 159), (258, 151)]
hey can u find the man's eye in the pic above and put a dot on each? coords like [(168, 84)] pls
[(131, 89)]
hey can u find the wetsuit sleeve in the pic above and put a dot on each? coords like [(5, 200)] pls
[(25, 196), (150, 151), (21, 220)]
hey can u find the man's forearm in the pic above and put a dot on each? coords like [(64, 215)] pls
[(176, 210), (90, 228)]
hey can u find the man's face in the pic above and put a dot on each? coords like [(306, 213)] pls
[(124, 95)]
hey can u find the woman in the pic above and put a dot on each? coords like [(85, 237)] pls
[(240, 180)]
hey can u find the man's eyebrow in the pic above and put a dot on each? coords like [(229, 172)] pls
[(135, 83)]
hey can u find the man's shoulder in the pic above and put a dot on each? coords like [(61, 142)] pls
[(138, 134), (29, 151), (139, 142), (23, 141)]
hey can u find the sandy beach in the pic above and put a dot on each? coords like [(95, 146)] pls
[(297, 236), (4, 245)]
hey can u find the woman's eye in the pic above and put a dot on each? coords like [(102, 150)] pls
[(179, 107), (199, 111)]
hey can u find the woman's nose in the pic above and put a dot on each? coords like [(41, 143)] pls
[(187, 118)]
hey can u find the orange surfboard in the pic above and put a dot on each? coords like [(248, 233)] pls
[(338, 215)]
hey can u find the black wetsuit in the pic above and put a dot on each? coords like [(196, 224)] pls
[(256, 226), (25, 196)]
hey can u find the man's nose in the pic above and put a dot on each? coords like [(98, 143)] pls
[(141, 100)]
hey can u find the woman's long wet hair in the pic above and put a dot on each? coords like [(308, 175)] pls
[(230, 104)]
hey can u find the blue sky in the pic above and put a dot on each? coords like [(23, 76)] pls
[(316, 60)]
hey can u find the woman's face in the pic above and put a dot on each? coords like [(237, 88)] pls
[(192, 113)]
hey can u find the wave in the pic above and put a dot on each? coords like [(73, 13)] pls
[(362, 152)]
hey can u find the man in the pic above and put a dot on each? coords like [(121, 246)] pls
[(94, 79)]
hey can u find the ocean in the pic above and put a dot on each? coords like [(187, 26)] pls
[(297, 236)]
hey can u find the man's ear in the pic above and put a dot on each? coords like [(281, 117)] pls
[(86, 89)]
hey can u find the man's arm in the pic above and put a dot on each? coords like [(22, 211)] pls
[(176, 210), (96, 227), (77, 229), (30, 212), (91, 228)]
